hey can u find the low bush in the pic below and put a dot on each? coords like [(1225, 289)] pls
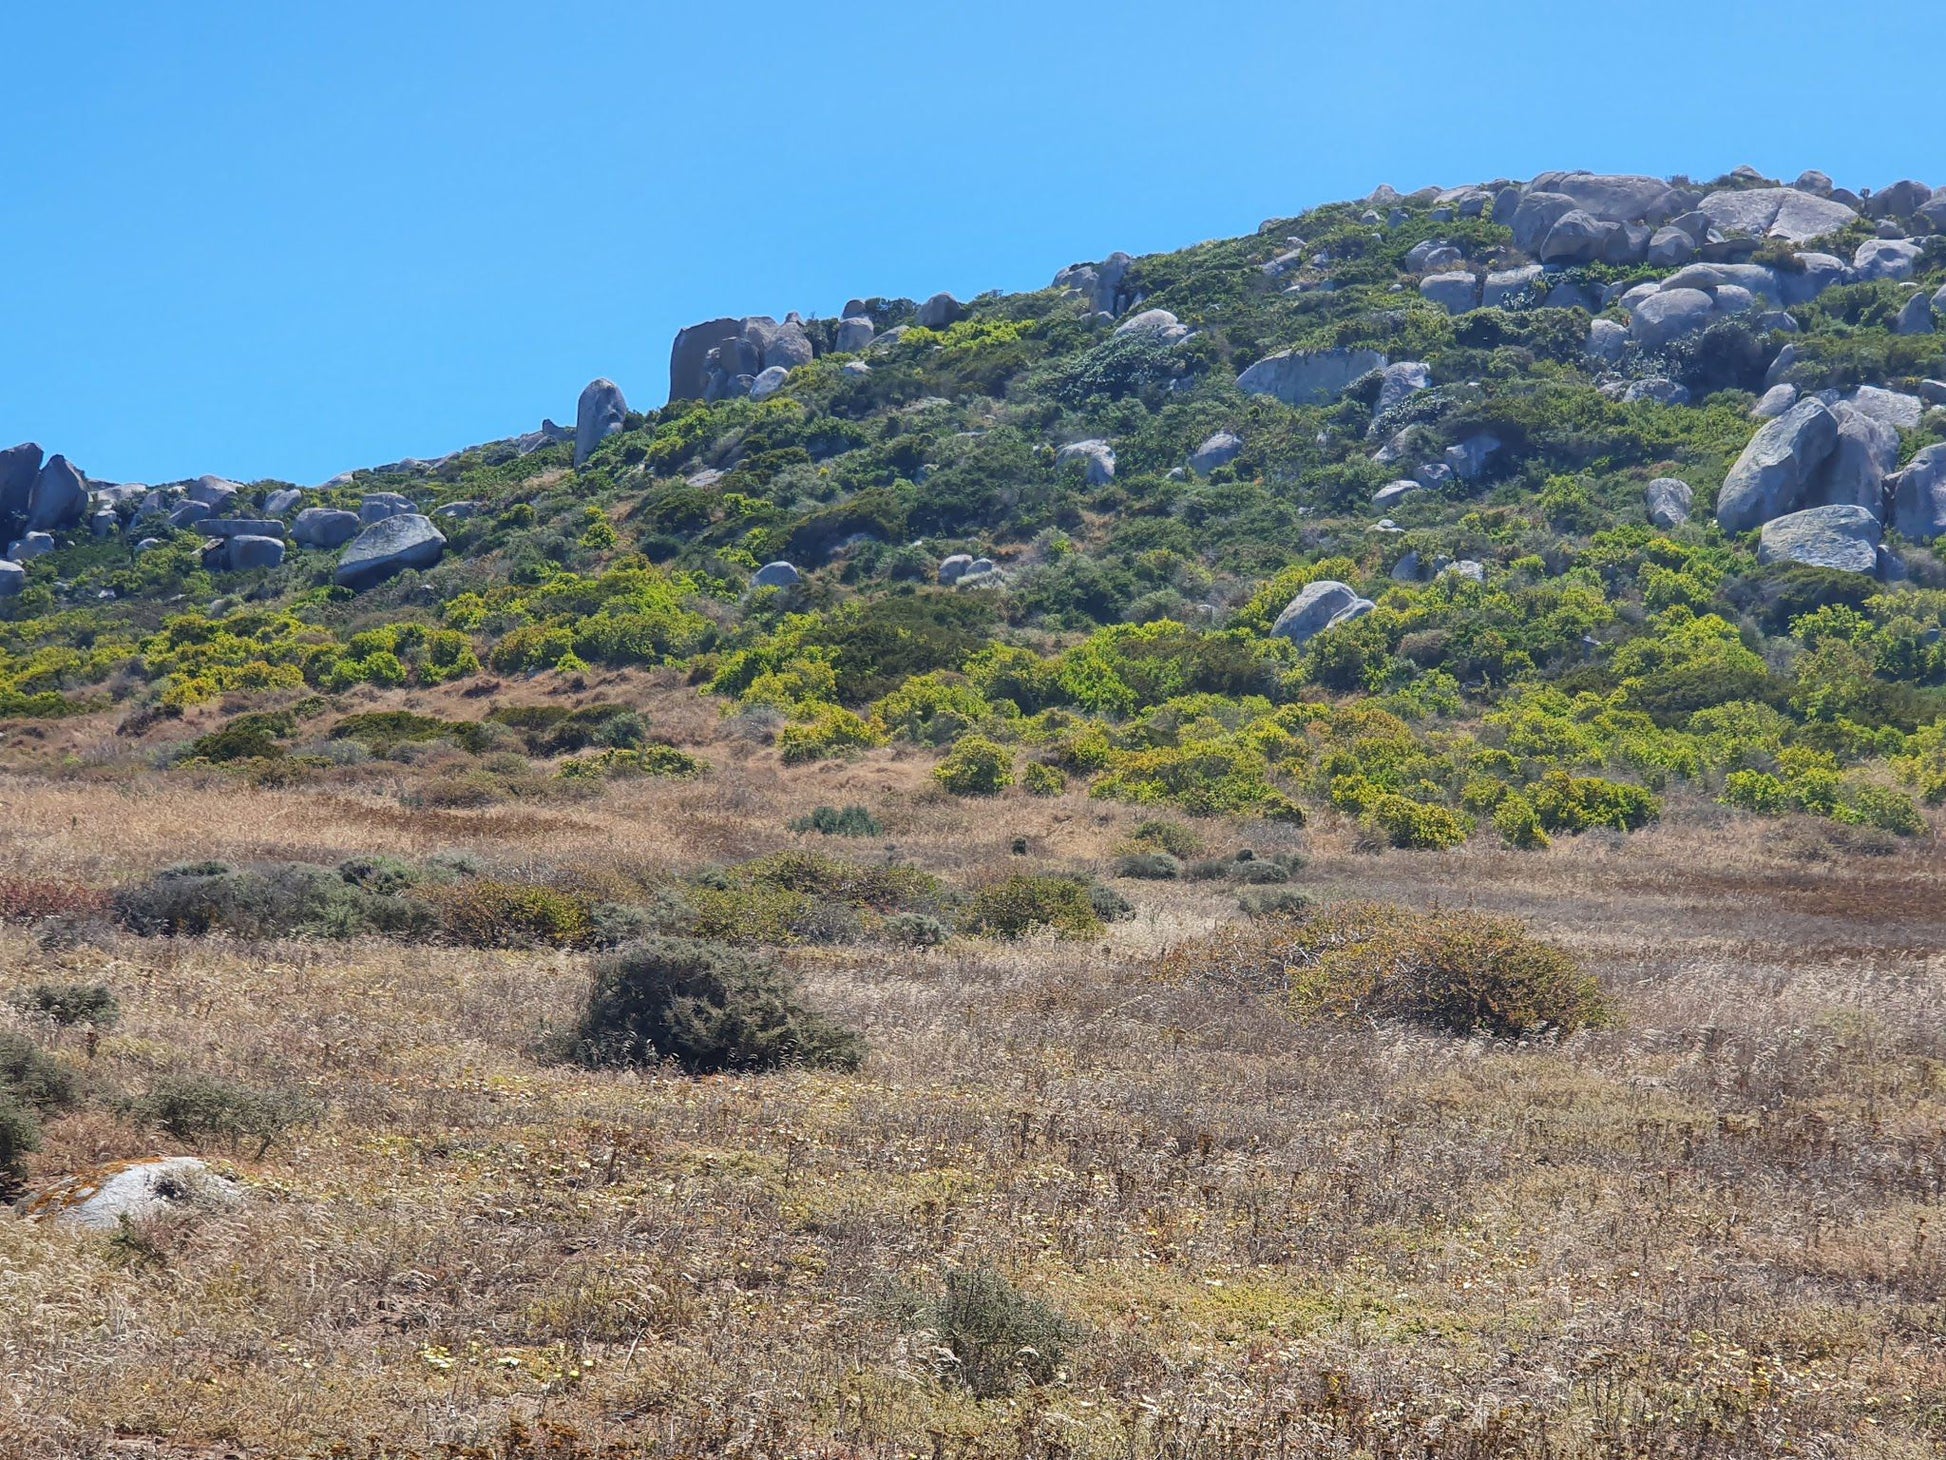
[(1273, 902), (483, 912), (32, 1078), (1399, 822), (1576, 803), (915, 930), (68, 1004), (999, 1338), (198, 1108), (35, 899), (1038, 778), (1023, 904), (649, 760), (1463, 972), (976, 766), (1150, 866), (20, 1136), (1170, 836), (706, 1007), (273, 900), (829, 821)]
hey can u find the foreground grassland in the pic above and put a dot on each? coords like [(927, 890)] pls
[(1709, 1228)]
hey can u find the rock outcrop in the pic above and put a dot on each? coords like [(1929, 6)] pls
[(1317, 607), (1840, 537), (1919, 496), (1096, 456), (1668, 501), (1302, 378), (599, 414), (1219, 450), (324, 527), (723, 357), (1772, 475), (387, 548)]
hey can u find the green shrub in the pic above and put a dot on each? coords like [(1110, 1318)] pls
[(649, 760), (1400, 822), (1464, 972), (20, 1135), (379, 873), (1880, 807), (1576, 803), (829, 821), (998, 1337), (1171, 836), (708, 1008), (68, 1004), (274, 900), (1022, 904), (204, 1107), (1273, 902), (483, 912), (1519, 824), (1038, 778), (33, 1078), (830, 730), (1152, 866), (976, 766), (247, 737), (915, 930), (384, 731)]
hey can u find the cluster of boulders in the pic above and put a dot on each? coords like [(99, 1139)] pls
[(725, 358), (1819, 482)]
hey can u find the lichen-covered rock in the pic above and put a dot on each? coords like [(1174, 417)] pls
[(390, 547), (1668, 500), (1317, 607), (102, 1199), (1839, 537), (1771, 476)]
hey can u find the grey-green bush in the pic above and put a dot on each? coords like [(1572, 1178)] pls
[(999, 1337)]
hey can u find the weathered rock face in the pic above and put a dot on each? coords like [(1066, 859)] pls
[(388, 548), (599, 414), (1158, 324), (775, 575), (1776, 400), (278, 503), (1455, 292), (1576, 238), (1317, 607), (1823, 537), (241, 527), (324, 527), (217, 492), (1468, 459), (59, 497), (1776, 213), (13, 578), (1894, 407), (1668, 500), (20, 467), (1302, 379), (1854, 472), (1616, 198), (940, 311), (1885, 258), (1919, 496), (242, 552), (1392, 493), (1219, 450), (1538, 212), (1607, 341), (1772, 475), (1102, 284), (855, 331), (954, 568), (1096, 456), (33, 545), (688, 375), (769, 381), (377, 506), (134, 1190), (1503, 285), (1401, 381), (1668, 315)]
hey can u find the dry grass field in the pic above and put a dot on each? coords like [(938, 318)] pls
[(1710, 1229)]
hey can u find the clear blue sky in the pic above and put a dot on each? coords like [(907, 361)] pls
[(289, 239)]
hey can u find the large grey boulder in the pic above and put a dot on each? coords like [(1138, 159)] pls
[(855, 332), (1607, 341), (599, 414), (1846, 538), (1101, 283), (1919, 496), (1575, 238), (1670, 247), (280, 502), (1902, 200), (1455, 292), (1853, 474), (1097, 460), (1815, 273), (1537, 214), (240, 553), (1468, 460), (187, 513), (389, 547), (954, 568), (768, 382), (1615, 198), (1219, 450), (1916, 317), (20, 467), (1156, 324), (1776, 213), (1431, 256), (1885, 258), (1776, 400), (1392, 493), (1668, 500), (59, 497), (940, 311), (217, 492), (1317, 607), (241, 527), (775, 575), (1668, 315), (135, 1191), (689, 355), (33, 545), (1772, 475), (1303, 378), (324, 527), (1503, 286), (1401, 381), (13, 578), (377, 506), (1894, 407)]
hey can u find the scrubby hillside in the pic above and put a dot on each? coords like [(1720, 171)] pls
[(1324, 843)]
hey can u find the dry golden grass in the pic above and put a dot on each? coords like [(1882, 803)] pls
[(1711, 1230)]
